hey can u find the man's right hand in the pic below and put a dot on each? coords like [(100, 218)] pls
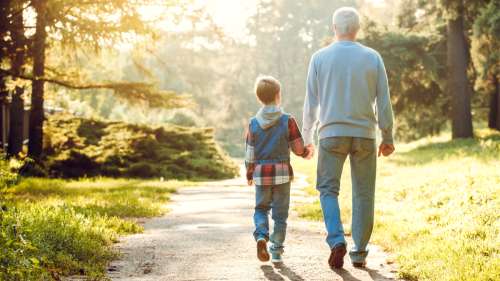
[(385, 149)]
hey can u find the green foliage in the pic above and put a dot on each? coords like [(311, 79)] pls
[(77, 147), (486, 46), (8, 172), (53, 228), (416, 79), (443, 226), (18, 260)]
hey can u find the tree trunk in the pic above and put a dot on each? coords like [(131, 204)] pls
[(494, 116), (497, 93), (17, 104), (4, 10), (35, 146), (3, 116), (458, 83)]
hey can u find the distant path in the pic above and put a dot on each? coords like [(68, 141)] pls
[(208, 236)]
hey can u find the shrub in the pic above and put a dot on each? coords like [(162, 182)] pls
[(78, 147)]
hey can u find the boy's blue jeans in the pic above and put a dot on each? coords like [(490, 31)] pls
[(277, 199), (363, 158)]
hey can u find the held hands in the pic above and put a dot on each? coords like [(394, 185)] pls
[(385, 149), (310, 151), (250, 182)]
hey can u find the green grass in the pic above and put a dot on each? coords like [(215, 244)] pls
[(57, 227), (437, 207)]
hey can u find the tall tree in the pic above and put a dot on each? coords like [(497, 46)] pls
[(82, 24), (35, 146), (486, 54), (4, 47), (458, 61), (18, 54)]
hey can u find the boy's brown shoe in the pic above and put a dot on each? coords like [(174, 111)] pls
[(359, 264), (336, 259), (262, 253)]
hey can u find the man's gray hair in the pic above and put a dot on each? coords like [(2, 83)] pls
[(346, 20)]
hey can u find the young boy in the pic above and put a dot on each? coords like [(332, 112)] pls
[(271, 135)]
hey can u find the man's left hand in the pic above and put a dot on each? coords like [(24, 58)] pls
[(385, 149), (310, 151)]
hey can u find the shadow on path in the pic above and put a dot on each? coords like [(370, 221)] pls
[(270, 274), (346, 275), (375, 275), (282, 270), (286, 271)]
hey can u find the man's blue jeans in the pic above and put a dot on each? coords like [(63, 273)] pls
[(363, 158), (277, 199)]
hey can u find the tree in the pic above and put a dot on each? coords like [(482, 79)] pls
[(415, 73), (4, 47), (80, 25), (486, 51), (35, 145), (458, 83), (18, 54)]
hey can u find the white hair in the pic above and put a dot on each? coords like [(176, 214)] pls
[(346, 20)]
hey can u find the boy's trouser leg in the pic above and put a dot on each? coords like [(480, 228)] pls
[(280, 205), (263, 197), (331, 158), (363, 171)]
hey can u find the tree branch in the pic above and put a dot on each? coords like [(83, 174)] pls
[(72, 85)]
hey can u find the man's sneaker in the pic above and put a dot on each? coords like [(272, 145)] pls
[(262, 253), (358, 264), (276, 258), (336, 259)]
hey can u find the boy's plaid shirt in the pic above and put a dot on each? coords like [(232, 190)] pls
[(278, 173)]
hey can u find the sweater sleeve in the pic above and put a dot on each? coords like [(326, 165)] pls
[(384, 106), (311, 104)]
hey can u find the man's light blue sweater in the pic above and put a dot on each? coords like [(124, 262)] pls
[(347, 88)]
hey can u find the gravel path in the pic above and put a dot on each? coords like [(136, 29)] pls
[(208, 236)]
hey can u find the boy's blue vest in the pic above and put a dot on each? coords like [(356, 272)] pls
[(271, 144)]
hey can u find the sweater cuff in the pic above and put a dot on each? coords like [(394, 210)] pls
[(387, 136), (307, 135)]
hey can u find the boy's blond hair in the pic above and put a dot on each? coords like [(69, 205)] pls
[(267, 88)]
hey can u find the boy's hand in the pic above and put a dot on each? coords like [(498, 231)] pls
[(250, 182), (385, 149), (310, 151)]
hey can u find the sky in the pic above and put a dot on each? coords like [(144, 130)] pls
[(231, 15)]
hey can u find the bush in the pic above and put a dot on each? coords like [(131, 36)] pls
[(77, 147), (8, 172)]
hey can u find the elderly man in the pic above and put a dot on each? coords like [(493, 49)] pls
[(346, 81)]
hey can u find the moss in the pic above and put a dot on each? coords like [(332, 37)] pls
[(78, 147)]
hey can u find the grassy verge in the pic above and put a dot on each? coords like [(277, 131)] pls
[(52, 228), (437, 207)]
